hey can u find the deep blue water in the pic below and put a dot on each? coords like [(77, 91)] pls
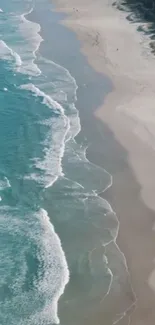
[(43, 168)]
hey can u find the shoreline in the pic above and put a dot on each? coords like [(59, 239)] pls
[(131, 132), (119, 306)]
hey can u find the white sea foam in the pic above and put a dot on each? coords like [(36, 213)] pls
[(75, 126), (64, 88), (6, 53), (54, 145), (54, 151), (4, 183), (32, 229), (56, 273), (1, 10), (30, 44), (47, 100), (24, 50)]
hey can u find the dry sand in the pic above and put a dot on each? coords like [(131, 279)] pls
[(114, 47)]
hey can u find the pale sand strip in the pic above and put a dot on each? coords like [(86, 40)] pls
[(113, 46)]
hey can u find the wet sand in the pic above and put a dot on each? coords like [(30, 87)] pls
[(113, 47)]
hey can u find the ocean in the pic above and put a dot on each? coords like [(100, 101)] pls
[(54, 226)]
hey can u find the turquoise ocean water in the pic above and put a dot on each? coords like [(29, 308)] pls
[(42, 168)]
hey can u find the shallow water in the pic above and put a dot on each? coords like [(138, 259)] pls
[(42, 168)]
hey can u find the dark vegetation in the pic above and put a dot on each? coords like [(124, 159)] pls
[(142, 11)]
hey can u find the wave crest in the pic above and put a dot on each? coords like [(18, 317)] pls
[(6, 53)]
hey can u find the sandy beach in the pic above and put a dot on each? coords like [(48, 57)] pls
[(114, 47)]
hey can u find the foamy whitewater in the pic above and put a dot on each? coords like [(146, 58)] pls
[(42, 168)]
